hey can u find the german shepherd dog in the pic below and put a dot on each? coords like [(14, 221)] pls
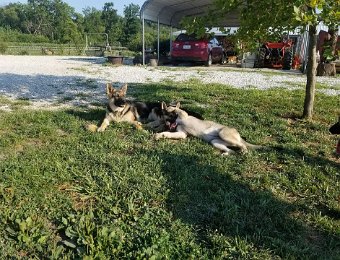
[(140, 114), (220, 136), (119, 109)]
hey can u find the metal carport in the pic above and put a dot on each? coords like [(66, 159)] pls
[(171, 12)]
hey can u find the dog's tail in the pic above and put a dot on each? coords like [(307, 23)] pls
[(252, 146)]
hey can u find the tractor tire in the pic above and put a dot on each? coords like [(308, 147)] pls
[(287, 60), (223, 59), (259, 62)]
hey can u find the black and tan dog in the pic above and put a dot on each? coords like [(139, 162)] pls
[(149, 115), (119, 109)]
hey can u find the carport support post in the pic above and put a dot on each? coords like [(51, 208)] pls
[(170, 40), (143, 38), (158, 39)]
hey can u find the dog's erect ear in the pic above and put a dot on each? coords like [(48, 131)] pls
[(122, 91), (178, 104), (109, 90), (163, 105)]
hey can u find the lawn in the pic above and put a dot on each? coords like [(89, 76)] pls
[(68, 193)]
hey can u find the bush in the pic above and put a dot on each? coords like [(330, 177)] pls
[(23, 52), (21, 37), (3, 47), (8, 35)]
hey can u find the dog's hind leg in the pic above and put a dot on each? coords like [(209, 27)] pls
[(221, 145), (232, 138)]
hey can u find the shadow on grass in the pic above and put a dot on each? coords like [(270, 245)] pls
[(298, 153), (315, 161), (139, 92), (55, 90), (205, 195), (209, 199), (91, 115)]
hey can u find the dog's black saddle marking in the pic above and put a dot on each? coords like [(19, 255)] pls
[(335, 129)]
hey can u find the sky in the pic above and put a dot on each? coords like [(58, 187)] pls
[(79, 5)]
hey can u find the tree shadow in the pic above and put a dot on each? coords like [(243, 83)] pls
[(308, 158), (53, 90), (315, 161), (91, 115), (213, 201)]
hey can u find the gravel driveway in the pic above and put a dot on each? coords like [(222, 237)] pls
[(50, 80)]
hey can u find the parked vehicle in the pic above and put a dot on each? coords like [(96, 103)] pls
[(192, 49), (277, 55)]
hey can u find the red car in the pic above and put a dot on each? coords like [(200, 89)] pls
[(188, 48)]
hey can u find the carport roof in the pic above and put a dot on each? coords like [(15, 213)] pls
[(171, 12)]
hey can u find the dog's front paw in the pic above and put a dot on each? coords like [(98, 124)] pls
[(159, 136), (139, 126), (100, 129)]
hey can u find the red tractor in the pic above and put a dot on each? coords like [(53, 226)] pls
[(278, 55)]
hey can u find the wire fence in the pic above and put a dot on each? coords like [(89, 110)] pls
[(48, 49)]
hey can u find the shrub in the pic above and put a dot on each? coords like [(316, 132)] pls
[(24, 52), (3, 47)]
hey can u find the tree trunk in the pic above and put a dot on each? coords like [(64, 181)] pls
[(311, 74)]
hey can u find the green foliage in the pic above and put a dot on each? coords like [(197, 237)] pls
[(272, 19), (9, 35), (66, 193), (93, 22), (132, 27), (3, 47), (311, 12), (56, 21)]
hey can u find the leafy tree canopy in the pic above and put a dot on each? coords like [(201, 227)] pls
[(268, 20)]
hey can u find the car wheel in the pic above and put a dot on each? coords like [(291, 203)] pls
[(209, 61)]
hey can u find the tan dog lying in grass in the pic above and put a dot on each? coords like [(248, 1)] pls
[(220, 136)]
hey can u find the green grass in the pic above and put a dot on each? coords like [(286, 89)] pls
[(68, 193)]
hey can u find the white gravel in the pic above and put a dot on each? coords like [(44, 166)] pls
[(50, 81)]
